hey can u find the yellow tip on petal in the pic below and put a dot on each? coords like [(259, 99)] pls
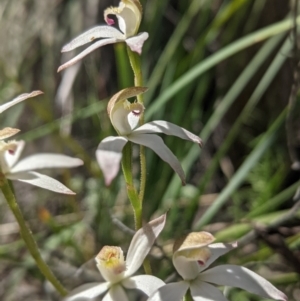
[(193, 240), (8, 132)]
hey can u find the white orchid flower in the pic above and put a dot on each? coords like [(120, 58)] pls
[(129, 14), (23, 170), (10, 146), (192, 255), (118, 273), (125, 117)]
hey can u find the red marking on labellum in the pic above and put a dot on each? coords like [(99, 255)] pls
[(136, 112), (201, 262), (11, 151), (110, 21)]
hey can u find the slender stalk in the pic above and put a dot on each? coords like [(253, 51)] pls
[(138, 81), (27, 236), (131, 191)]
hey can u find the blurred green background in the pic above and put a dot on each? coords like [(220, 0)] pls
[(225, 70)]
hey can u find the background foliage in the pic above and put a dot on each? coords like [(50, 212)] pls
[(224, 69)]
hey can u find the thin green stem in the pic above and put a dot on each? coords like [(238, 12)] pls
[(131, 191), (27, 236), (138, 81), (135, 63)]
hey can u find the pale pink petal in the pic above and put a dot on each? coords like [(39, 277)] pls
[(168, 128), (86, 52), (46, 160), (19, 99), (170, 292), (236, 276), (40, 180), (87, 291), (92, 34), (202, 291), (158, 146), (141, 244), (136, 43), (146, 283), (115, 293), (109, 155), (217, 250)]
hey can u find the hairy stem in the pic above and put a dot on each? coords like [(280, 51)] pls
[(131, 191), (138, 81)]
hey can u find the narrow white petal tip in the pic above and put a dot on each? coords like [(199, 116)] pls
[(79, 162), (69, 192), (136, 43), (62, 67), (35, 93), (234, 244), (66, 48)]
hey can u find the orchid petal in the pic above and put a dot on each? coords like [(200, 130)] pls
[(136, 43), (191, 253), (87, 291), (217, 250), (46, 160), (8, 132), (186, 269), (141, 244), (202, 291), (115, 293), (168, 128), (236, 276), (109, 155), (121, 96), (193, 241), (146, 283), (129, 13), (158, 146), (86, 52), (11, 158), (126, 116), (170, 292), (92, 34), (40, 180), (19, 99)]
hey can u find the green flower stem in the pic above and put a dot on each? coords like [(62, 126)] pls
[(135, 63), (138, 81), (28, 237), (131, 191), (188, 296)]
